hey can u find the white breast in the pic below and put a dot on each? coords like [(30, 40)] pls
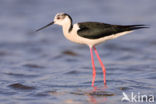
[(72, 35)]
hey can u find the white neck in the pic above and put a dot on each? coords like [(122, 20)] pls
[(67, 25)]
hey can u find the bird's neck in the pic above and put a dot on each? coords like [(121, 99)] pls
[(68, 26)]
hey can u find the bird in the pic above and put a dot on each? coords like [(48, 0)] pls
[(91, 34)]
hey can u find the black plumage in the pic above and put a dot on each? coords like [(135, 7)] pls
[(95, 30)]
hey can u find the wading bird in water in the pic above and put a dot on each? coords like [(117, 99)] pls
[(91, 34)]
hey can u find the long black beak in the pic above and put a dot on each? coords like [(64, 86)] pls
[(44, 26)]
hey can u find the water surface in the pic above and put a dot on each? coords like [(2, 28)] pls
[(45, 68)]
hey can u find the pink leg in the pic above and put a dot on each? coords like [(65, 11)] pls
[(102, 65), (94, 70)]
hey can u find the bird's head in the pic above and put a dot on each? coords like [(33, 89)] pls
[(60, 19)]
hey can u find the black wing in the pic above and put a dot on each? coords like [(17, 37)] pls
[(95, 30)]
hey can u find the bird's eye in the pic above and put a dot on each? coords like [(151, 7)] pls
[(58, 17)]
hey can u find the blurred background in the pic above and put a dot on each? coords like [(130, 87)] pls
[(47, 68)]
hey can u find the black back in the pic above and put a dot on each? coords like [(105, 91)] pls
[(95, 30)]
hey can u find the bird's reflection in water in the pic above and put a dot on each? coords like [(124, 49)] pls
[(99, 95)]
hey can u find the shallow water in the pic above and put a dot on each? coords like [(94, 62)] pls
[(45, 68)]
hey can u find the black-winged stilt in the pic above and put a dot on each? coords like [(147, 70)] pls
[(91, 34)]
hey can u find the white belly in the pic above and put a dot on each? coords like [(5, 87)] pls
[(74, 37)]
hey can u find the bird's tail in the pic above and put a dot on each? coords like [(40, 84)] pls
[(134, 27)]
